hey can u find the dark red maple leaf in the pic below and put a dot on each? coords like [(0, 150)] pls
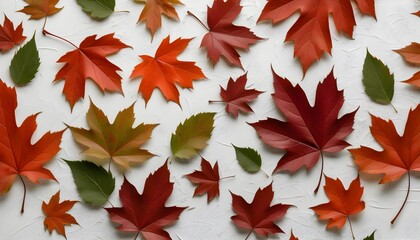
[(147, 213), (259, 216), (207, 179), (9, 36), (309, 131), (224, 38)]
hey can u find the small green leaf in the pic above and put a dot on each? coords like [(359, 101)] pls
[(371, 237), (97, 9), (192, 136), (93, 182), (248, 158), (377, 80), (25, 63)]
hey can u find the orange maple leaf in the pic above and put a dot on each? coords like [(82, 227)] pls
[(56, 216), (38, 9), (400, 155), (164, 70), (18, 157), (411, 54)]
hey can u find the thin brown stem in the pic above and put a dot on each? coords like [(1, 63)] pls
[(249, 234), (45, 32), (320, 175), (215, 101), (22, 209), (190, 13), (45, 23), (405, 200), (227, 177), (351, 227), (136, 235)]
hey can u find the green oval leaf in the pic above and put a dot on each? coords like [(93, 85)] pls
[(25, 63), (248, 158), (97, 9), (93, 182)]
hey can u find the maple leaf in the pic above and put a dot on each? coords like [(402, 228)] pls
[(343, 203), (89, 61), (56, 216), (223, 37), (309, 131), (400, 154), (411, 54), (259, 216), (147, 213), (38, 9), (9, 36), (18, 157), (152, 11), (118, 142), (164, 70), (310, 33), (292, 237), (207, 179), (237, 97)]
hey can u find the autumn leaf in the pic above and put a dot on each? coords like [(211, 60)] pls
[(258, 216), (400, 154), (38, 9), (25, 63), (370, 237), (207, 179), (343, 203), (97, 9), (89, 61), (249, 159), (310, 33), (9, 36), (164, 70), (56, 216), (411, 54), (237, 97), (153, 10), (192, 135), (292, 237), (147, 213), (309, 131), (223, 37), (18, 156), (118, 142)]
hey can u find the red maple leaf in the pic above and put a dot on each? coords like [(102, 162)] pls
[(309, 131), (147, 213), (411, 54), (9, 36), (259, 216), (223, 37), (237, 97), (207, 179), (311, 33)]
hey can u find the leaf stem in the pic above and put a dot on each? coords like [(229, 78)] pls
[(190, 13), (215, 101), (249, 234), (45, 32), (45, 23), (109, 166), (264, 173), (122, 11), (351, 227), (112, 205), (227, 177), (320, 175), (405, 200), (393, 107), (22, 209), (136, 235)]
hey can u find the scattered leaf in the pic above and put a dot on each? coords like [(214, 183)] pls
[(399, 156), (25, 63), (9, 36), (292, 237), (370, 237), (38, 9), (97, 9), (192, 136), (56, 216), (249, 159), (147, 213), (259, 216), (411, 54), (164, 70), (118, 142), (93, 182), (207, 179)]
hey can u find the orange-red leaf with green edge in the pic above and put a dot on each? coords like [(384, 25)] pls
[(164, 70), (311, 33), (38, 9), (411, 54), (9, 36), (259, 216), (56, 216), (89, 61), (207, 179), (18, 156), (343, 202)]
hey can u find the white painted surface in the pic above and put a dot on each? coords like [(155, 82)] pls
[(395, 28)]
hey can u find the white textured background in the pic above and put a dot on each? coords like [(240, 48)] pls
[(395, 28)]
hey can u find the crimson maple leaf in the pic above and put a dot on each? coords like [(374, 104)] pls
[(309, 131), (146, 213), (207, 179), (310, 33), (224, 38), (9, 36), (259, 216)]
